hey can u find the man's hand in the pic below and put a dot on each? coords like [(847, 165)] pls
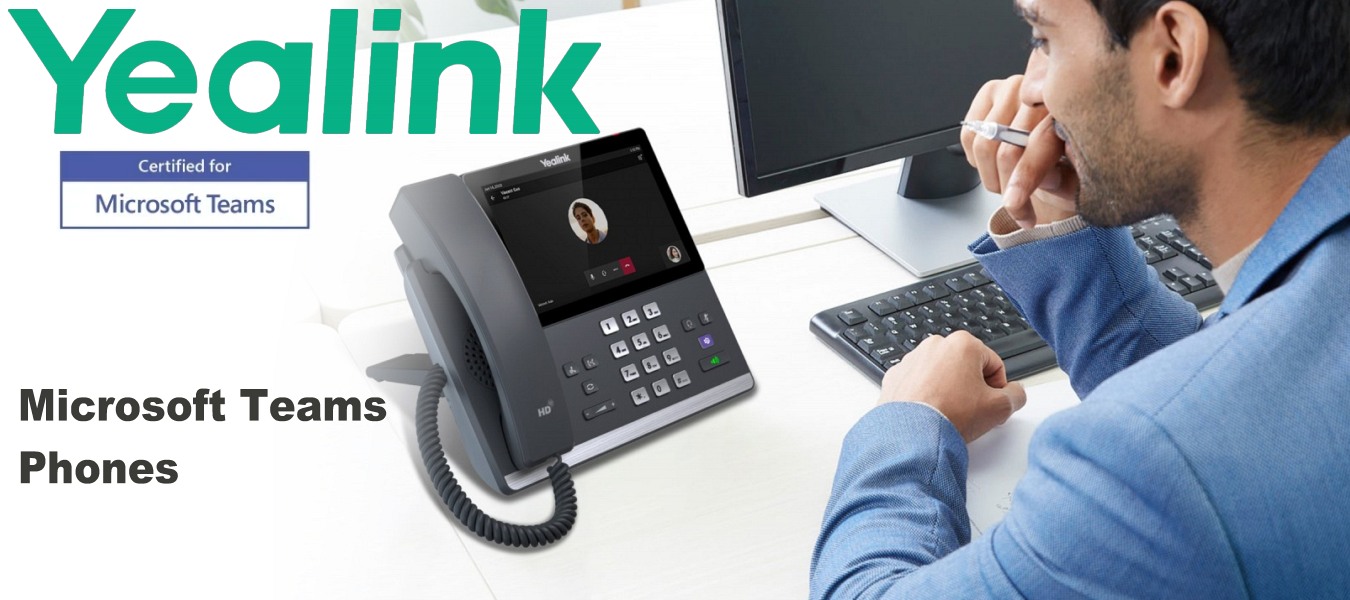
[(959, 376), (1037, 186)]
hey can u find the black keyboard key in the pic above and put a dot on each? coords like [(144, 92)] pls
[(881, 308), (1174, 274), (1164, 251), (935, 291), (895, 336), (916, 296), (1178, 287), (851, 317), (872, 330), (884, 352), (1192, 283), (1206, 279), (1016, 343), (867, 344), (900, 302), (1196, 255), (957, 284), (976, 279), (854, 334), (1151, 257)]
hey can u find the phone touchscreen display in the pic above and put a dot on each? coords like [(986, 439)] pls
[(587, 225)]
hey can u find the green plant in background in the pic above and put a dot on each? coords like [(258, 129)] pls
[(505, 8), (411, 29)]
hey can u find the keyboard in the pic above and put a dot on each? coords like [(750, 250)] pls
[(875, 333)]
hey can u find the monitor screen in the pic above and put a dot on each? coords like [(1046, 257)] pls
[(587, 225), (819, 87)]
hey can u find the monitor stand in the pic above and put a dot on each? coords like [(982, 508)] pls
[(924, 216)]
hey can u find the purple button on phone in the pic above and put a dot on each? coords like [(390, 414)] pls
[(705, 341)]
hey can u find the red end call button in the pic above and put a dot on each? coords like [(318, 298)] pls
[(626, 264)]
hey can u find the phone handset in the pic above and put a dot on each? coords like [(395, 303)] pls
[(475, 315), (452, 236)]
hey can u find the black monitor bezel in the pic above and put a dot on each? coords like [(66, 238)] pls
[(743, 141), (477, 180)]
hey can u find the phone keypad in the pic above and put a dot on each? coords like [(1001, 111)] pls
[(659, 334)]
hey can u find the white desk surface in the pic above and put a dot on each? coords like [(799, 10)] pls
[(725, 505)]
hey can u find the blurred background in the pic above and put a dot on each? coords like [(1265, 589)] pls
[(424, 19)]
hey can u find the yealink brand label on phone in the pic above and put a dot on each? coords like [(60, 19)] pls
[(555, 161)]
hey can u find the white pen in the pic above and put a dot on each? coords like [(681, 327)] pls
[(994, 131)]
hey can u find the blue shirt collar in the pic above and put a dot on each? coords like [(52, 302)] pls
[(1321, 203)]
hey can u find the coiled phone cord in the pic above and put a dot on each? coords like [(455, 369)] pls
[(488, 528)]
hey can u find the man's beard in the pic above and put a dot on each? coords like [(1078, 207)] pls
[(1124, 177)]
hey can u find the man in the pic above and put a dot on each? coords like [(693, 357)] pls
[(1207, 460)]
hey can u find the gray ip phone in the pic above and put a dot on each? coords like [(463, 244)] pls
[(566, 312)]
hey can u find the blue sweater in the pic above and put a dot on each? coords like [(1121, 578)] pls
[(1207, 460)]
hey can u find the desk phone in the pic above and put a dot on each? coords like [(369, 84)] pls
[(566, 312)]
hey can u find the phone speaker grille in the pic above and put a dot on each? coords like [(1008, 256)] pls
[(477, 361)]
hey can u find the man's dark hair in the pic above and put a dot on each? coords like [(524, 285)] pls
[(582, 206), (1291, 57)]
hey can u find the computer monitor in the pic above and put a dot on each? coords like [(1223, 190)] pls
[(821, 87)]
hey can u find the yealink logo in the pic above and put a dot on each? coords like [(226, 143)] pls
[(555, 161), (72, 65)]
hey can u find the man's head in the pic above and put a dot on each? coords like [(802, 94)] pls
[(1142, 90), (582, 214)]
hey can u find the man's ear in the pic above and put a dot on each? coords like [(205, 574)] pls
[(1175, 44)]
